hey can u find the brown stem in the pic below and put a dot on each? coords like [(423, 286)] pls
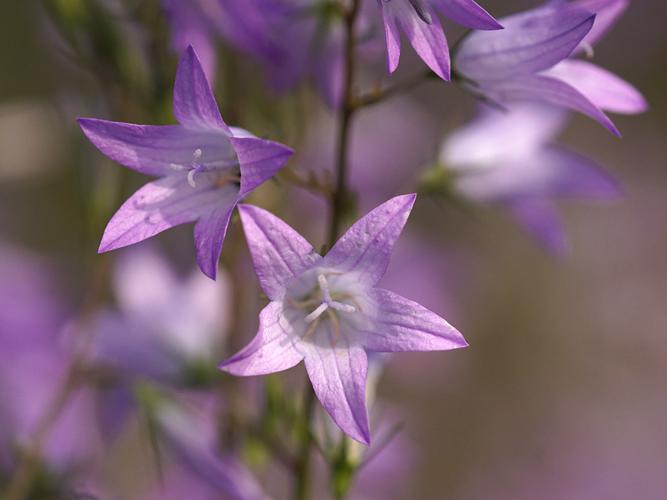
[(378, 95), (337, 200)]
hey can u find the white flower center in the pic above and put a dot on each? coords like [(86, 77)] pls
[(230, 164), (328, 303)]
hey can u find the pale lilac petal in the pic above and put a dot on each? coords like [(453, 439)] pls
[(209, 234), (548, 90), (468, 13), (194, 102), (606, 13), (158, 206), (143, 282), (338, 369), (278, 252), (392, 38), (275, 347), (366, 247), (603, 88), (501, 136), (544, 173), (575, 176), (259, 160), (399, 324), (531, 41), (428, 39), (540, 218), (154, 150)]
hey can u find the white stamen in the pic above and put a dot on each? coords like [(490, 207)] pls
[(316, 313), (196, 155), (191, 178), (339, 306)]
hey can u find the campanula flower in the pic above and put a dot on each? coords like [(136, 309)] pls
[(165, 328), (509, 158), (188, 429), (418, 19), (328, 311), (204, 168), (530, 61), (34, 358)]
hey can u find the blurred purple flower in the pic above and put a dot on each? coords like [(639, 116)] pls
[(193, 24), (164, 326), (191, 437), (33, 363), (328, 311), (530, 60), (205, 168), (419, 21), (509, 158)]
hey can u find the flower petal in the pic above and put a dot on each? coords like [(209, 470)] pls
[(392, 37), (606, 13), (210, 232), (278, 252), (428, 39), (603, 88), (532, 41), (155, 150), (468, 13), (275, 347), (194, 102), (158, 206), (549, 172), (500, 136), (366, 247), (338, 369), (400, 324), (259, 160), (540, 218), (548, 90)]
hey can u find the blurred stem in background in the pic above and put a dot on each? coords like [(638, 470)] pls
[(96, 45), (340, 208)]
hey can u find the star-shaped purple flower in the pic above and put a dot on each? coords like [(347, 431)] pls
[(419, 21), (204, 168), (530, 60), (328, 311)]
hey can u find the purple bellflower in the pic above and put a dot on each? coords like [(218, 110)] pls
[(190, 435), (530, 60), (328, 311), (419, 21), (508, 158), (165, 328), (204, 168)]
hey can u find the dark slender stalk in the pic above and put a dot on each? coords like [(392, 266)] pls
[(339, 195), (378, 95), (337, 201)]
